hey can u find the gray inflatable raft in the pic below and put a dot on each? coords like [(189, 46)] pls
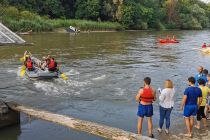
[(38, 73)]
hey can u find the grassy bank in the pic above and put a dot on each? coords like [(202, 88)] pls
[(41, 25), (21, 21), (85, 25)]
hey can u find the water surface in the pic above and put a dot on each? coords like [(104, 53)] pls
[(106, 70)]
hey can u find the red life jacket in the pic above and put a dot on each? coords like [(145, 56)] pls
[(29, 64), (147, 95), (204, 46), (52, 64)]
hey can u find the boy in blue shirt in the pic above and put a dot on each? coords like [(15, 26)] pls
[(190, 105)]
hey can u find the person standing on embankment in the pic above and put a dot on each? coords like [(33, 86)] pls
[(166, 103), (192, 94), (145, 97)]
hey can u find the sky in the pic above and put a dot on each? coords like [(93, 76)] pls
[(206, 0)]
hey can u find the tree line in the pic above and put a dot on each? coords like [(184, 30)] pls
[(131, 14)]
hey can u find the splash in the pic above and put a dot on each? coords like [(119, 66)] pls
[(102, 77)]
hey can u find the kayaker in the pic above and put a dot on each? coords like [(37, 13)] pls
[(145, 97), (174, 38), (168, 38), (52, 64), (29, 63), (204, 45)]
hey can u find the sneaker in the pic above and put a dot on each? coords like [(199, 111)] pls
[(159, 130), (166, 131), (152, 136)]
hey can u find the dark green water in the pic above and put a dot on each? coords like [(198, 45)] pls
[(106, 70)]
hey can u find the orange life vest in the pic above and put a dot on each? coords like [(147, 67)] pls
[(29, 64), (52, 64), (147, 95)]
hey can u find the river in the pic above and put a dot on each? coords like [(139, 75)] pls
[(105, 72)]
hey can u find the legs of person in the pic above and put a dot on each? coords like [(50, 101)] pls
[(168, 114), (202, 113), (162, 116), (188, 125), (198, 118), (191, 124), (150, 126), (139, 125)]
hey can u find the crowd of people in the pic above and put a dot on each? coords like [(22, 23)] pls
[(195, 102), (47, 63)]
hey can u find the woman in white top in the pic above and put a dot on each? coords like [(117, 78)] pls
[(166, 103)]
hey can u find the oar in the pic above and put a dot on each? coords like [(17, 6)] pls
[(64, 76), (22, 71), (22, 58)]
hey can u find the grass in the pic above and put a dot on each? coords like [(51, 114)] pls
[(85, 25)]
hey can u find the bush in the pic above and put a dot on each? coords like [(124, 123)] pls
[(171, 25), (11, 12), (27, 15)]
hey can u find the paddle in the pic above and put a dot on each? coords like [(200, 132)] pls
[(22, 58), (64, 76), (22, 71)]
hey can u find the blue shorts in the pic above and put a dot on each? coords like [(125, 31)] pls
[(190, 110), (145, 110)]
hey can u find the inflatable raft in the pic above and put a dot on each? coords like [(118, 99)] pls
[(167, 41), (38, 73), (206, 50)]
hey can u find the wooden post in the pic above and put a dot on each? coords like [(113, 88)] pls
[(80, 125)]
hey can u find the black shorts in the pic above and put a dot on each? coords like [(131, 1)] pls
[(201, 113)]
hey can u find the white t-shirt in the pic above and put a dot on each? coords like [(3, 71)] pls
[(166, 98)]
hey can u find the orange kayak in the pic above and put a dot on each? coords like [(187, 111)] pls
[(168, 41)]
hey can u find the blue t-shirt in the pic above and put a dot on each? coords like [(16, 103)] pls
[(192, 95), (200, 76)]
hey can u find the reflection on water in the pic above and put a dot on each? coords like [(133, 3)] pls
[(10, 133), (105, 70)]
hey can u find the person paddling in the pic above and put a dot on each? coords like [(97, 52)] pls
[(29, 63), (204, 45), (145, 97), (52, 64)]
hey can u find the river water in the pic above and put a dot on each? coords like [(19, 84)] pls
[(106, 70)]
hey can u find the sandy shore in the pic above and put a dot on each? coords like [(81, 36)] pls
[(177, 132)]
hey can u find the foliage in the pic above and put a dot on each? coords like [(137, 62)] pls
[(132, 14)]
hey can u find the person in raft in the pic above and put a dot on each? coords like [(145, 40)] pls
[(203, 46), (166, 103), (191, 100), (145, 97), (201, 110), (199, 75)]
